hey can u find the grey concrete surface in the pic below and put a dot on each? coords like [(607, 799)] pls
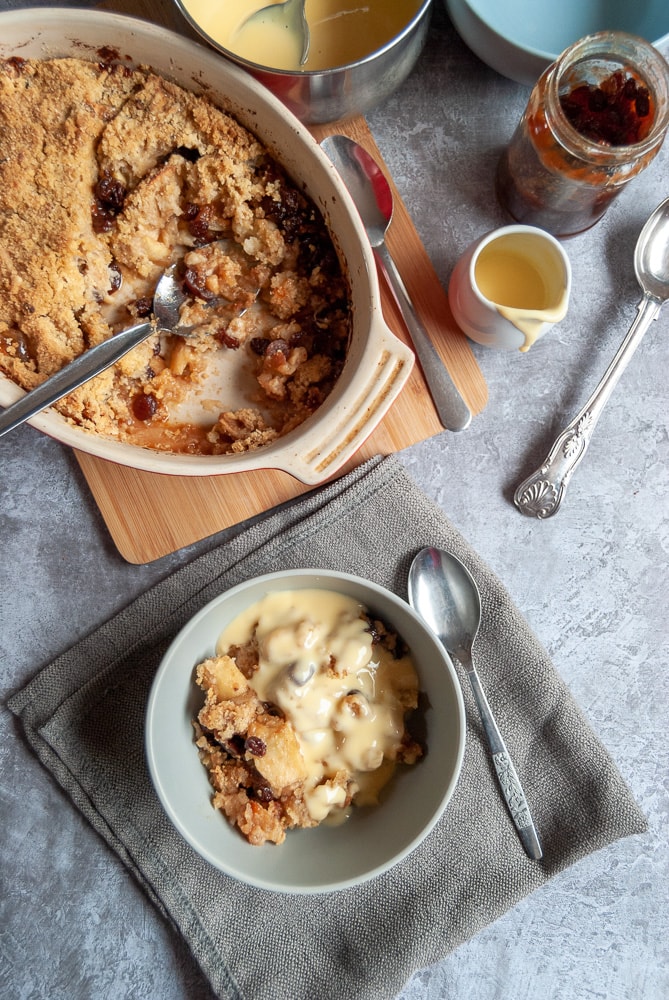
[(592, 582)]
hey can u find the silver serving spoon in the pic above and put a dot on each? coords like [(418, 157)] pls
[(445, 595), (168, 298), (541, 494), (287, 16), (373, 197)]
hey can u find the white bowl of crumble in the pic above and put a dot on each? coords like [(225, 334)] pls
[(305, 731), (155, 148)]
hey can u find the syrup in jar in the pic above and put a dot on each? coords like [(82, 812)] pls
[(595, 119)]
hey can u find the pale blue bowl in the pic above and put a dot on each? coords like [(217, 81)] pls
[(519, 38)]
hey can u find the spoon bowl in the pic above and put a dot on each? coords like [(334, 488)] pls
[(445, 595), (286, 17), (173, 291), (651, 254), (542, 492), (170, 295), (372, 194)]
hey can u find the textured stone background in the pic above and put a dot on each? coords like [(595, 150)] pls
[(592, 583)]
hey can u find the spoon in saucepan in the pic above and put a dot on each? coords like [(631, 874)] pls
[(367, 185), (542, 492), (445, 595), (287, 16), (170, 295)]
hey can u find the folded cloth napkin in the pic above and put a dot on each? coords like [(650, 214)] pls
[(84, 716)]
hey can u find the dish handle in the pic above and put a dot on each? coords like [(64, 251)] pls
[(379, 378)]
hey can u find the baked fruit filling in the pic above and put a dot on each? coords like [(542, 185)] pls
[(108, 175)]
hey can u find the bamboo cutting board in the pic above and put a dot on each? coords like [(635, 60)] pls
[(150, 515)]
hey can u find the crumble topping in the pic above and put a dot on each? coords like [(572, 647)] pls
[(108, 175)]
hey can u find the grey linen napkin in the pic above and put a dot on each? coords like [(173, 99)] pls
[(83, 715)]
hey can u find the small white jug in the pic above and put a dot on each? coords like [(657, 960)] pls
[(510, 286)]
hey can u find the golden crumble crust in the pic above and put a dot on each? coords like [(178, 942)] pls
[(107, 176)]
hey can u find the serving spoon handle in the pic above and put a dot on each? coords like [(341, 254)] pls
[(89, 364), (509, 782), (541, 494), (451, 408)]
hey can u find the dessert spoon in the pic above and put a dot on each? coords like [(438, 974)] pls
[(287, 16), (373, 198), (541, 493), (445, 595), (169, 296)]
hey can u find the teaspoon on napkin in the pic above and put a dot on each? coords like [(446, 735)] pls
[(445, 595)]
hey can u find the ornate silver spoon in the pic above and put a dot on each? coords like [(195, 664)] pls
[(541, 494)]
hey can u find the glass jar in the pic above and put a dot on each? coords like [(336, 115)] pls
[(556, 177)]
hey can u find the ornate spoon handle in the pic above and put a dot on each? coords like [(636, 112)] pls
[(509, 782), (541, 494)]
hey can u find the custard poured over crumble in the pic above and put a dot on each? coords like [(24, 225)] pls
[(306, 710)]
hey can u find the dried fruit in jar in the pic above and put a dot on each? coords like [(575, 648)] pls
[(617, 111)]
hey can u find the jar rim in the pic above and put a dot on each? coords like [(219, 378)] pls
[(625, 50)]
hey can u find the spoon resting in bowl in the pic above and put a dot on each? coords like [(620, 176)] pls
[(288, 17), (170, 297), (541, 494)]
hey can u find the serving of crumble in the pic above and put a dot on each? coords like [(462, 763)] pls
[(306, 710)]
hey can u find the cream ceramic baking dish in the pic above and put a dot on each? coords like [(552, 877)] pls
[(378, 363)]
